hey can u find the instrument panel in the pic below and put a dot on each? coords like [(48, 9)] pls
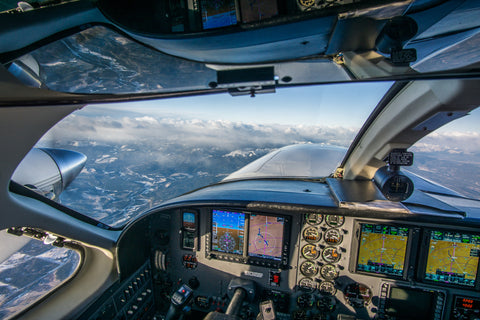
[(313, 265), (326, 264)]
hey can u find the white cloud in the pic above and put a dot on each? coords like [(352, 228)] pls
[(223, 134), (453, 142), (147, 119)]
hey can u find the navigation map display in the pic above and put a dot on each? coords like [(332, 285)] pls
[(265, 236), (382, 249), (453, 257), (228, 231)]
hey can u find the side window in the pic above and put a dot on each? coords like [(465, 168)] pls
[(32, 268), (452, 154)]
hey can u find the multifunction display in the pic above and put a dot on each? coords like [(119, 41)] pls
[(265, 236), (382, 249), (228, 231), (453, 258), (250, 238)]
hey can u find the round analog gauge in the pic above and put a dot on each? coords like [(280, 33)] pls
[(335, 221), (331, 254), (311, 234), (308, 269), (307, 284), (313, 219), (310, 252), (333, 237), (306, 300), (327, 287), (329, 272)]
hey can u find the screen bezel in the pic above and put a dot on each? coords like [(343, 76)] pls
[(248, 237), (245, 258), (194, 232), (434, 295), (245, 234), (422, 266), (409, 262)]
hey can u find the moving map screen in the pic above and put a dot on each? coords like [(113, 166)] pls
[(382, 249), (228, 231), (265, 236), (453, 258)]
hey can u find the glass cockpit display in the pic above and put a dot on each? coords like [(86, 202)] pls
[(453, 258), (251, 238), (382, 249), (217, 14), (228, 231), (265, 236)]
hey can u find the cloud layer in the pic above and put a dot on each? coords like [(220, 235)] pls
[(223, 134)]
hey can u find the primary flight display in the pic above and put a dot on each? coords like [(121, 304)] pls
[(228, 231)]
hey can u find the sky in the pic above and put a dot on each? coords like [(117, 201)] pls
[(329, 106), (345, 105)]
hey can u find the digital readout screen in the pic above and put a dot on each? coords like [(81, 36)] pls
[(453, 258), (218, 13), (467, 303), (265, 236), (382, 249), (189, 221), (228, 231)]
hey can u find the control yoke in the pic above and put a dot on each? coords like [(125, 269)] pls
[(238, 291)]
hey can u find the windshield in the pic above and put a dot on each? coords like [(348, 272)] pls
[(140, 154)]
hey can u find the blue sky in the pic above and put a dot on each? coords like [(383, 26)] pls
[(346, 105)]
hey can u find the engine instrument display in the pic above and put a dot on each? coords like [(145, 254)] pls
[(307, 284), (311, 234), (333, 237), (308, 269), (329, 272), (310, 252), (335, 221), (313, 219), (327, 287), (265, 236), (331, 254), (382, 249), (228, 231), (453, 257)]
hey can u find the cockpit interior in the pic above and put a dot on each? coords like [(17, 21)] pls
[(303, 231)]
